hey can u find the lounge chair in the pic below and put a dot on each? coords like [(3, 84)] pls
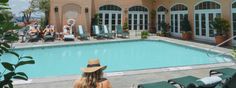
[(106, 32), (98, 34), (226, 72), (82, 33), (70, 37), (31, 38), (230, 83), (120, 33), (195, 82), (162, 84), (50, 37)]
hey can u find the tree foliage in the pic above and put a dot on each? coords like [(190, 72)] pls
[(27, 15), (8, 35), (43, 6), (185, 25)]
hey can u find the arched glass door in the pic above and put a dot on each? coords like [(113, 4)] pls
[(138, 18), (234, 21), (205, 13), (110, 15), (177, 15), (161, 17)]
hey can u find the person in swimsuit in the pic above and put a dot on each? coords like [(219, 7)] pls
[(46, 31), (93, 76)]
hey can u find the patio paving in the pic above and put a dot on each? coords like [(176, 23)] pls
[(129, 79)]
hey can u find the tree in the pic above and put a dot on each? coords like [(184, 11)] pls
[(43, 6), (27, 15), (7, 35)]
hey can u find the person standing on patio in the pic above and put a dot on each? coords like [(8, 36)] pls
[(93, 76)]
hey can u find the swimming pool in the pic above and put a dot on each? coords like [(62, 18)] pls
[(118, 56)]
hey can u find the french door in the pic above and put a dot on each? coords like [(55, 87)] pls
[(176, 19), (138, 21), (160, 18), (111, 19), (203, 21), (234, 24)]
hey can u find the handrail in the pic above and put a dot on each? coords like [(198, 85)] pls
[(220, 45)]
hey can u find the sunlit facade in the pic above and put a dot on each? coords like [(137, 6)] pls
[(137, 14)]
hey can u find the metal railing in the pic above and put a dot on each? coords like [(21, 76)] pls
[(210, 49)]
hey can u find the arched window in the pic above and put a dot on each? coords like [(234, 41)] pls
[(179, 7), (110, 7), (234, 21), (204, 15), (110, 15), (178, 12), (161, 9), (138, 18), (138, 8), (207, 5), (160, 17)]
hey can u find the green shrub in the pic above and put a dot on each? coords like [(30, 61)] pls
[(221, 26), (7, 36), (234, 53), (144, 35)]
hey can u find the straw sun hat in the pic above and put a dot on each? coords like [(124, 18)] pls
[(93, 65)]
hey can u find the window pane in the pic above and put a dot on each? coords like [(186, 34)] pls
[(172, 23), (211, 30), (176, 23), (203, 24), (197, 24)]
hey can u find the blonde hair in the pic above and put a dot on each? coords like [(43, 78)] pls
[(91, 79)]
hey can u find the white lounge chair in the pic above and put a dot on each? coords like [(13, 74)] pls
[(70, 37)]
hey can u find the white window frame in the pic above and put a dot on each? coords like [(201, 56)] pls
[(138, 13), (162, 14), (233, 10), (103, 12), (178, 34), (206, 38)]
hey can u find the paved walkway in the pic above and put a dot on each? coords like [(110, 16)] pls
[(127, 79)]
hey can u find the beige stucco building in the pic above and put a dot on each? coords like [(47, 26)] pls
[(139, 14)]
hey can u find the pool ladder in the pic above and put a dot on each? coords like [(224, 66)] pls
[(210, 49)]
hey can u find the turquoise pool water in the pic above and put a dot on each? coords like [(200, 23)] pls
[(118, 56)]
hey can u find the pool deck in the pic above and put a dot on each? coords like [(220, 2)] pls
[(127, 79)]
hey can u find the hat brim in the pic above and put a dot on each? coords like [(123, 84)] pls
[(93, 69)]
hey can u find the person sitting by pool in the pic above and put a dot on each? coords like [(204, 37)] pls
[(33, 30), (49, 30), (67, 30), (93, 76)]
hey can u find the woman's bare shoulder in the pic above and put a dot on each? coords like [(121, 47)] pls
[(106, 83)]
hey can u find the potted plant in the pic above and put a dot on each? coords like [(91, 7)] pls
[(144, 35), (164, 31), (126, 27), (186, 29), (221, 26)]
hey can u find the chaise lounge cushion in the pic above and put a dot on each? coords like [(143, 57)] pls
[(69, 36), (210, 81)]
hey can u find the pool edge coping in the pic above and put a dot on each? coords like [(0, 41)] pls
[(124, 73)]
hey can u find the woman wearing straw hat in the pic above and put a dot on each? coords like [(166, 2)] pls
[(92, 76)]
